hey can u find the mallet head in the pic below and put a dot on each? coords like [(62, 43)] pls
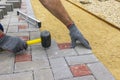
[(45, 39)]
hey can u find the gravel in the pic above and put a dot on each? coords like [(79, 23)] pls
[(107, 9)]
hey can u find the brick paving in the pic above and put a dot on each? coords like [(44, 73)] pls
[(59, 62)]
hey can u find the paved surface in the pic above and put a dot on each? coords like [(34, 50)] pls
[(59, 62)]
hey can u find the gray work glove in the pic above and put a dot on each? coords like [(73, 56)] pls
[(13, 44), (75, 35)]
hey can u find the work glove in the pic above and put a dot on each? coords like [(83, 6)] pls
[(1, 27), (75, 35), (13, 44)]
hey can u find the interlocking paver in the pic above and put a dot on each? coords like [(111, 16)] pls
[(28, 29), (22, 26), (29, 9), (31, 65), (60, 69), (80, 70), (53, 48), (19, 34), (34, 35), (20, 18), (23, 76), (5, 77), (12, 28), (38, 53), (23, 7), (18, 23), (62, 53), (23, 57), (18, 76), (44, 74), (25, 38), (82, 50), (100, 71), (6, 62), (81, 59), (14, 20), (64, 45)]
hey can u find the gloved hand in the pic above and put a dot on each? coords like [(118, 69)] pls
[(1, 27), (13, 44), (75, 35)]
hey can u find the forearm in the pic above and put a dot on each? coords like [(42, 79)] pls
[(57, 9)]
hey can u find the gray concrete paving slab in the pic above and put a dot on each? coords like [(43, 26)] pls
[(81, 59), (14, 20), (6, 62), (18, 76), (82, 50), (29, 29), (5, 77), (38, 53), (23, 76), (12, 28), (34, 35), (60, 69), (100, 71), (19, 34), (30, 65), (62, 53), (44, 74)]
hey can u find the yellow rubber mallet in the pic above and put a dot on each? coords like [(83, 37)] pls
[(45, 39)]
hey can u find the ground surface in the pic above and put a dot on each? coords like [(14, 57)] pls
[(103, 38)]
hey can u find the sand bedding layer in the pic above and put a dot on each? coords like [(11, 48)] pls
[(104, 39)]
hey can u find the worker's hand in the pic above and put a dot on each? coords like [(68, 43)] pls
[(75, 35), (13, 44)]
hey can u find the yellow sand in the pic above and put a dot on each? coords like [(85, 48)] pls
[(104, 39)]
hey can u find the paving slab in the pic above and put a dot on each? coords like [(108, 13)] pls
[(5, 77), (19, 34), (81, 59), (18, 76), (34, 35), (38, 53), (23, 76), (82, 50), (44, 74), (6, 62), (14, 20), (30, 65), (60, 69), (1, 14), (62, 53), (100, 71), (13, 28), (53, 48)]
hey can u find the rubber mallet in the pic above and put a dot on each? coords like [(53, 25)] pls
[(45, 39)]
